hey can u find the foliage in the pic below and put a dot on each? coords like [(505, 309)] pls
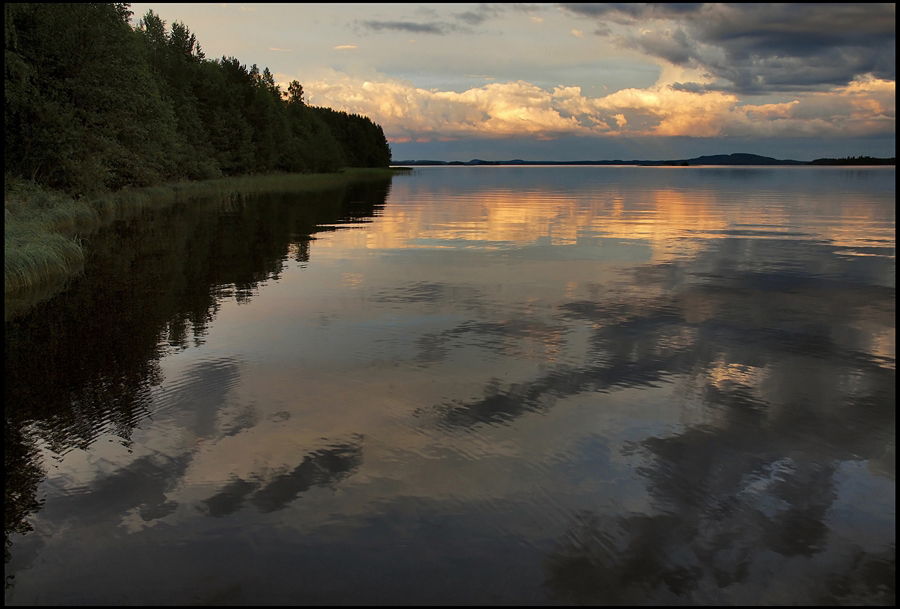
[(81, 112), (855, 160), (362, 141), (93, 104)]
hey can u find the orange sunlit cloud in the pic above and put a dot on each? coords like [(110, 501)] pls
[(865, 107)]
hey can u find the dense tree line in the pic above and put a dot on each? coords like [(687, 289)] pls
[(855, 160), (93, 103)]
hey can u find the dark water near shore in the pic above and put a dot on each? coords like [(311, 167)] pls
[(491, 385)]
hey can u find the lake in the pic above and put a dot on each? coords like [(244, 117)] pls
[(469, 385)]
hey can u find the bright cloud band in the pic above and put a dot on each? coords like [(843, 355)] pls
[(865, 107)]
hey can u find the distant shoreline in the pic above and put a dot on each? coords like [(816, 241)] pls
[(719, 159)]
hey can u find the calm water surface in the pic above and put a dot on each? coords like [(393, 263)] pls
[(564, 385)]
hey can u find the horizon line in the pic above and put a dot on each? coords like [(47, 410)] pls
[(742, 158)]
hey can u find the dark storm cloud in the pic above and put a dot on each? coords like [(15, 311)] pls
[(689, 87), (473, 17), (626, 12), (435, 27), (645, 10), (479, 15), (760, 48), (674, 47)]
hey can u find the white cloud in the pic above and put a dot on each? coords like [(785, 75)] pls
[(505, 109)]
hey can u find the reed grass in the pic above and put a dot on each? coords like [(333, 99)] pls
[(41, 232), (44, 230)]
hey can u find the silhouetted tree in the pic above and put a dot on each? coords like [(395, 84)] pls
[(94, 104)]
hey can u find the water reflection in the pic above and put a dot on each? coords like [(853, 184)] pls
[(322, 467), (556, 385), (86, 364)]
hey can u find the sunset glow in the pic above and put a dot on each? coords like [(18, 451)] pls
[(540, 74)]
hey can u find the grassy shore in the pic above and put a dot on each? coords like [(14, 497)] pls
[(44, 230)]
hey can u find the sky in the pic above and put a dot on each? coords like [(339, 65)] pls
[(562, 82)]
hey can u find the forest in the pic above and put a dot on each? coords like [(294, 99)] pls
[(95, 105)]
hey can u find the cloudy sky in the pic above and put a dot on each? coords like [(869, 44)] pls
[(580, 81)]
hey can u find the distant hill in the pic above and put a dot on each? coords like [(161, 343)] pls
[(739, 158)]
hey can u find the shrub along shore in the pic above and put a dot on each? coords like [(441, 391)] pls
[(45, 230)]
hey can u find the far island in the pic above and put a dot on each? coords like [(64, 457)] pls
[(716, 159)]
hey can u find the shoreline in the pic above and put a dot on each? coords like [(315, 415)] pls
[(45, 230)]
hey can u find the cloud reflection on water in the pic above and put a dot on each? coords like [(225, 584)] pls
[(653, 395)]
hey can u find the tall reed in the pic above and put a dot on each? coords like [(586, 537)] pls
[(44, 230)]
